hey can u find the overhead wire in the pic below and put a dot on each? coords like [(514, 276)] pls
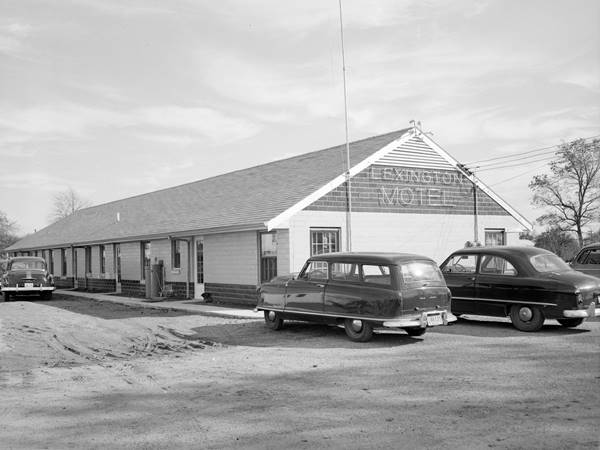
[(541, 150)]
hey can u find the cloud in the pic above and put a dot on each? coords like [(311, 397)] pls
[(176, 124), (12, 36)]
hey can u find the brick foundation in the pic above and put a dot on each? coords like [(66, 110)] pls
[(63, 282), (133, 288), (236, 294)]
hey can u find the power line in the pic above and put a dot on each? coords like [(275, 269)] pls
[(513, 164), (527, 152), (516, 158), (517, 176)]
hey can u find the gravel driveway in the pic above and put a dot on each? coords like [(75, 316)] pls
[(75, 373)]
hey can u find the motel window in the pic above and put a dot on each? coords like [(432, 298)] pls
[(199, 262), (88, 260), (102, 259), (175, 254), (63, 262), (145, 257), (495, 237), (324, 240), (50, 262), (268, 256)]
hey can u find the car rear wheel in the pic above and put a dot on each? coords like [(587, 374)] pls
[(46, 295), (358, 330), (526, 318), (7, 296), (415, 331), (273, 320), (570, 323)]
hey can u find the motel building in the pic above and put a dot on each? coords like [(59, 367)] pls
[(224, 235)]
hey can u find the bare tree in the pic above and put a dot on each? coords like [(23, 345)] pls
[(8, 230), (65, 203), (571, 193)]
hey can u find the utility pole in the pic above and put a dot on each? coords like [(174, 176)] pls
[(348, 187)]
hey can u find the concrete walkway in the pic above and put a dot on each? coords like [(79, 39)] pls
[(195, 306)]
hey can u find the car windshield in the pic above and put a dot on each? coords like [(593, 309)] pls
[(416, 271), (548, 263), (28, 265)]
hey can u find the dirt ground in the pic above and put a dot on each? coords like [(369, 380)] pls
[(76, 373)]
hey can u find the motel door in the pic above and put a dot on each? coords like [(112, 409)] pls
[(198, 267), (75, 282), (117, 265)]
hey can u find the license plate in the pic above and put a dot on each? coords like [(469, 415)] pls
[(434, 319), (28, 285)]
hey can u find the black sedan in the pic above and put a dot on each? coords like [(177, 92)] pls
[(527, 284)]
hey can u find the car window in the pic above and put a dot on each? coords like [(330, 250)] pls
[(548, 263), (420, 271), (461, 264), (496, 265), (28, 265), (376, 274), (589, 257), (315, 270), (345, 272)]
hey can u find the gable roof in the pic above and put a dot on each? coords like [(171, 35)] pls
[(244, 199), (260, 197)]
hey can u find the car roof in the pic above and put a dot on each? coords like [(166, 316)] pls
[(505, 250), (369, 257), (26, 258), (593, 245)]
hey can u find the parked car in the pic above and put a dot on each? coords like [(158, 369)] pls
[(361, 292), (527, 284), (588, 260), (27, 275)]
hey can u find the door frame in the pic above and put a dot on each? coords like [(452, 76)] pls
[(198, 287)]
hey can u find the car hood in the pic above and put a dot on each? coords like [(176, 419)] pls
[(574, 278)]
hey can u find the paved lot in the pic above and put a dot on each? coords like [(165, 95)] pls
[(76, 373)]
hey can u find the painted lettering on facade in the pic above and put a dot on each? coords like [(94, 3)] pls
[(410, 187)]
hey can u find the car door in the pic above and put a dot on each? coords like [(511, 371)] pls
[(305, 294), (460, 272), (588, 262), (344, 293), (498, 285)]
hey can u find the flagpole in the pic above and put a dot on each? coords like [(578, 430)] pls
[(348, 187)]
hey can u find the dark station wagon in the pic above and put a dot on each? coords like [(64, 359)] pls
[(27, 275), (588, 260), (527, 284), (361, 292)]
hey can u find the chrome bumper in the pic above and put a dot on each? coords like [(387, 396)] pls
[(591, 311), (420, 321), (27, 289)]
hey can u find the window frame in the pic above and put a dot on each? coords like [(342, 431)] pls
[(331, 230), (145, 245), (267, 263), (102, 258), (175, 254), (63, 262), (494, 231)]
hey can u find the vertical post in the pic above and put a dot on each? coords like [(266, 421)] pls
[(348, 187), (475, 221)]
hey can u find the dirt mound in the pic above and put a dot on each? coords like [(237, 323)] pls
[(54, 337)]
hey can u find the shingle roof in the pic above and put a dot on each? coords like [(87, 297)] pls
[(244, 198)]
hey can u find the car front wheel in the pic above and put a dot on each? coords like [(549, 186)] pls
[(358, 330), (570, 323), (526, 318), (273, 320)]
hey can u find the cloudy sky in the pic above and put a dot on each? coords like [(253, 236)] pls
[(115, 98)]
